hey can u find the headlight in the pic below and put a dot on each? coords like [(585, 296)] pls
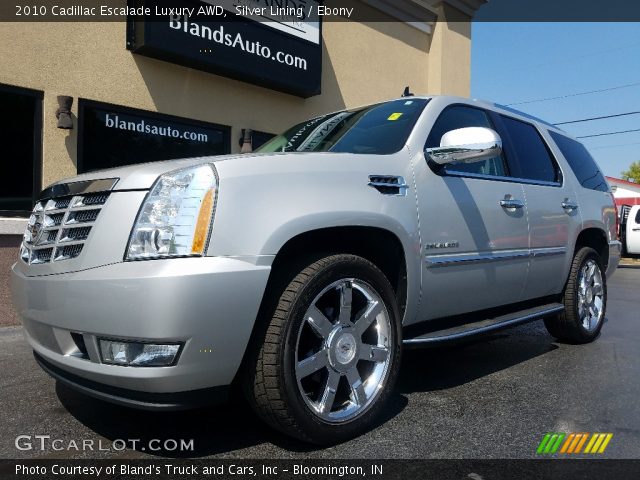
[(175, 218)]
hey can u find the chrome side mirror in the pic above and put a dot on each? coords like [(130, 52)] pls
[(467, 145)]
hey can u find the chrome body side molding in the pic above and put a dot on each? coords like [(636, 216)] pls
[(548, 252), (439, 261)]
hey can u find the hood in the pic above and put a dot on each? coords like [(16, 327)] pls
[(142, 176)]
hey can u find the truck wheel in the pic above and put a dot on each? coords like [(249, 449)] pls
[(585, 300), (328, 359)]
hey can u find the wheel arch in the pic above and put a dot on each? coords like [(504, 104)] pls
[(595, 238), (381, 247)]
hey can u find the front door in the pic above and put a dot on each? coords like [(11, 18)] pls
[(473, 227)]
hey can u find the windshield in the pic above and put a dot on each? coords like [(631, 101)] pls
[(379, 129)]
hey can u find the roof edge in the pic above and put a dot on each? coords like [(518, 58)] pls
[(625, 182)]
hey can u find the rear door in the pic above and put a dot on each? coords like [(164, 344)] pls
[(552, 206), (633, 231), (596, 206)]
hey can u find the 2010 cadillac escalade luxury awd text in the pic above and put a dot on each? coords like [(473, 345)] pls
[(300, 271)]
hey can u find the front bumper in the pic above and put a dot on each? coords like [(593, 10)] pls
[(134, 398), (209, 304)]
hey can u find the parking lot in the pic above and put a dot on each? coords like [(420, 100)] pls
[(492, 398)]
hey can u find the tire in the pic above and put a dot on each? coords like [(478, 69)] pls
[(584, 298), (301, 352)]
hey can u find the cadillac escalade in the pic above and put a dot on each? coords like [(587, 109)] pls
[(301, 271)]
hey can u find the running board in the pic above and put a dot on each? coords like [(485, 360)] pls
[(485, 326)]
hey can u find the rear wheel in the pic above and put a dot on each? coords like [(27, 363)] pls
[(330, 355), (585, 300)]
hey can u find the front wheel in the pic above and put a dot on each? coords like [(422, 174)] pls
[(585, 300), (330, 355)]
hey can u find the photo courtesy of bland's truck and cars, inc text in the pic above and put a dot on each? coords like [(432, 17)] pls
[(304, 238)]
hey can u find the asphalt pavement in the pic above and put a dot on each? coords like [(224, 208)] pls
[(492, 398)]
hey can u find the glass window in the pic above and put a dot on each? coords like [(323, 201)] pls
[(638, 216), (20, 136), (380, 129), (115, 136), (533, 156), (258, 138), (581, 162), (457, 117)]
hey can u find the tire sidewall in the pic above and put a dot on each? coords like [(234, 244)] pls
[(584, 255), (341, 267)]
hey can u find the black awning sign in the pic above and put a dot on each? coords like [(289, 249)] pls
[(284, 56)]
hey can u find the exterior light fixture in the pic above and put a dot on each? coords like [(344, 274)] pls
[(246, 144), (63, 113)]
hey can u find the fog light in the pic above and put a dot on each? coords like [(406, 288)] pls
[(135, 354)]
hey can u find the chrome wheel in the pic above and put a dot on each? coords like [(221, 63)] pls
[(343, 350), (590, 295)]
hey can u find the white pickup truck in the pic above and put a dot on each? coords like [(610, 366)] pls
[(631, 231)]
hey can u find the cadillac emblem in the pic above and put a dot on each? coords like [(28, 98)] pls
[(35, 227)]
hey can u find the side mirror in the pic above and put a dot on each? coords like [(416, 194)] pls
[(467, 145)]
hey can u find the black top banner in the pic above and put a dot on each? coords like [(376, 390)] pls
[(343, 10)]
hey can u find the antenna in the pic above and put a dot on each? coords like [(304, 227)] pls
[(407, 92)]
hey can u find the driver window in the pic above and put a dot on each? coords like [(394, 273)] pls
[(459, 116)]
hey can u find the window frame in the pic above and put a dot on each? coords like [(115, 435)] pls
[(38, 120), (508, 151), (441, 170), (84, 103), (508, 145), (553, 135)]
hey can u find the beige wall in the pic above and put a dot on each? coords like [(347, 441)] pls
[(362, 63), (450, 54)]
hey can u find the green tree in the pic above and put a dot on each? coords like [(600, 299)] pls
[(633, 173)]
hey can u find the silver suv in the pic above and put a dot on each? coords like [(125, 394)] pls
[(299, 272)]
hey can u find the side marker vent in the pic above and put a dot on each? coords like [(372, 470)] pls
[(389, 184)]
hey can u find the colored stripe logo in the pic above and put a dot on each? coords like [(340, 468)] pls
[(572, 443)]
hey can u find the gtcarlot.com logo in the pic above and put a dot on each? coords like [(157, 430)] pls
[(574, 443), (45, 443)]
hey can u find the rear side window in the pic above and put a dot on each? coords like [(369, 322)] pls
[(533, 156), (581, 162), (638, 216), (456, 117)]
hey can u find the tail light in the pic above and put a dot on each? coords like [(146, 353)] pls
[(615, 205)]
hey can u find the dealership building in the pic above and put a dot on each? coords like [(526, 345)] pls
[(624, 191), (84, 95)]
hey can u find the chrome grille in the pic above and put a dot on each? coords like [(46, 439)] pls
[(83, 216), (63, 203), (54, 219), (59, 227)]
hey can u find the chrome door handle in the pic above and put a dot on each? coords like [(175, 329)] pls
[(511, 204), (567, 205)]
